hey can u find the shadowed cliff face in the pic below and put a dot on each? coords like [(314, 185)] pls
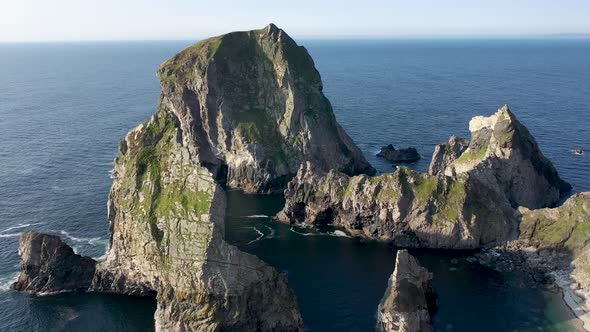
[(252, 109)]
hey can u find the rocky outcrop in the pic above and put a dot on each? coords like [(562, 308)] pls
[(390, 153), (166, 216), (563, 231), (251, 109), (468, 205), (446, 153), (409, 299), (49, 265), (409, 208), (503, 153)]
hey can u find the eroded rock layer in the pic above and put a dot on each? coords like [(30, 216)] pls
[(409, 299), (252, 109)]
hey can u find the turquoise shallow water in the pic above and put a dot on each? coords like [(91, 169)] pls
[(64, 107)]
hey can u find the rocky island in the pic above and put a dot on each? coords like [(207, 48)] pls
[(409, 299), (246, 110), (390, 153)]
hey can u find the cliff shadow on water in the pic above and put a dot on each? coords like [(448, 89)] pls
[(339, 280)]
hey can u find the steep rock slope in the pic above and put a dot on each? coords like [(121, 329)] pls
[(409, 299), (166, 216), (252, 109), (503, 153)]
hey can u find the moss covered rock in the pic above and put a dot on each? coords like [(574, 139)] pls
[(409, 208), (166, 215)]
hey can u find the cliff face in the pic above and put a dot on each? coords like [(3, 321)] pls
[(503, 153), (251, 107), (409, 299), (49, 265), (409, 208), (166, 217)]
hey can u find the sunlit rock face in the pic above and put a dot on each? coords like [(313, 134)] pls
[(251, 107)]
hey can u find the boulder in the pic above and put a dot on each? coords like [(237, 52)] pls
[(409, 299), (49, 265), (390, 153)]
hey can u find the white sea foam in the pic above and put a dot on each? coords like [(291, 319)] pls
[(89, 240), (303, 234), (339, 233), (112, 173), (260, 235), (19, 226), (10, 235), (258, 216), (272, 232), (8, 279)]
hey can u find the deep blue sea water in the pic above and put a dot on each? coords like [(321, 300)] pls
[(65, 106)]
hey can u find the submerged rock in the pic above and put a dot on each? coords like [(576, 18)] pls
[(503, 153), (50, 265), (409, 299), (251, 109), (390, 153)]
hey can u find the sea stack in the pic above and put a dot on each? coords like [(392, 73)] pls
[(49, 265), (409, 299), (251, 109), (392, 154)]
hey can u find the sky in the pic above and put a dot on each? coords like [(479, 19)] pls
[(71, 20)]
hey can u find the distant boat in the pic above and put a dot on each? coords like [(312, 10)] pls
[(578, 151)]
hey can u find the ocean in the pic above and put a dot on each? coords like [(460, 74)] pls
[(65, 106)]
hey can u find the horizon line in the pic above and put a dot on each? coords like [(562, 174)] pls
[(329, 37)]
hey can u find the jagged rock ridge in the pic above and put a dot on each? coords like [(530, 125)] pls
[(251, 107), (503, 153), (466, 200), (409, 299)]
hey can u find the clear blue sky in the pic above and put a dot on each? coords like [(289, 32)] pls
[(44, 20)]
